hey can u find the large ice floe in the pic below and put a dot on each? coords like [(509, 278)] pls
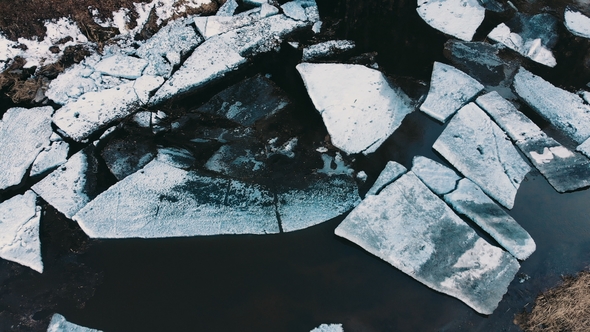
[(59, 323), (565, 170), (450, 89), (408, 226), (458, 18), (466, 198), (359, 107), (577, 23), (480, 150)]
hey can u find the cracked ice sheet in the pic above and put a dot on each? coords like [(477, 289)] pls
[(458, 18), (59, 323), (390, 173), (411, 228), (359, 107), (97, 110), (439, 178), (19, 231), (163, 201), (566, 111), (210, 26), (450, 89), (577, 23), (480, 150), (565, 170), (24, 133)]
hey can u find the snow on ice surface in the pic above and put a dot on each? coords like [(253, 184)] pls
[(577, 23), (19, 231), (60, 324), (24, 133), (390, 173), (119, 65), (411, 228), (458, 18), (210, 26), (439, 178), (450, 89), (359, 107), (480, 150), (326, 49), (294, 10), (328, 328), (50, 157)]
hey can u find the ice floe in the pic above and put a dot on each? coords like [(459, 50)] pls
[(359, 107), (326, 49), (24, 133), (50, 157), (577, 23), (19, 231), (120, 65), (59, 323), (411, 228), (565, 170), (458, 18), (480, 150), (390, 173), (294, 10), (439, 178), (450, 89)]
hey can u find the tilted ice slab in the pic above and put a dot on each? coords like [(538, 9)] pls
[(450, 89), (97, 110), (458, 18), (359, 107), (60, 324), (566, 111), (390, 173), (19, 231), (163, 201), (24, 133), (480, 150), (411, 228), (577, 23), (326, 49), (565, 170)]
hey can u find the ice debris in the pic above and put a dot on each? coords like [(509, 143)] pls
[(19, 231), (564, 169), (60, 324), (450, 89), (359, 107), (24, 133), (480, 150), (458, 18), (390, 173), (120, 65), (577, 23), (411, 228), (328, 328), (326, 49), (335, 165)]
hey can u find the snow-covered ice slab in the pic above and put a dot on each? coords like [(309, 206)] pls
[(294, 10), (566, 111), (164, 201), (50, 157), (326, 49), (97, 110), (210, 26), (409, 227), (60, 324), (439, 178), (359, 107), (564, 169), (19, 231), (72, 185), (24, 133), (324, 199), (450, 89), (120, 65), (328, 328), (390, 173), (458, 18), (480, 150), (577, 23), (534, 37)]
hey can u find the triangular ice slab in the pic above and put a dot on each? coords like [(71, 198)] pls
[(458, 18)]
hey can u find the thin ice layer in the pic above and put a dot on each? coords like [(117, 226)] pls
[(359, 107), (458, 18), (411, 228)]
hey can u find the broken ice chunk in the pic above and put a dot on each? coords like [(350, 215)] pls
[(480, 150), (267, 10), (411, 228), (210, 26), (227, 9), (328, 328), (359, 107), (577, 23), (120, 65), (50, 157), (60, 324), (566, 111), (24, 133), (294, 10), (390, 173), (326, 49), (440, 179), (124, 157), (450, 89), (458, 18), (19, 231), (164, 201)]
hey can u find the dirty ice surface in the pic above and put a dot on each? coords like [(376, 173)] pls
[(411, 228), (359, 107), (577, 23), (60, 324), (458, 18), (390, 173), (480, 150)]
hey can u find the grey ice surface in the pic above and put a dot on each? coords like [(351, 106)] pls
[(480, 150), (50, 157), (359, 107), (176, 157), (327, 197), (164, 201), (120, 65), (19, 231), (458, 18), (450, 89), (439, 178), (565, 170), (411, 228), (24, 133), (241, 160), (124, 157), (328, 328), (227, 9), (60, 324), (72, 185), (294, 10), (390, 173), (326, 49), (566, 111), (577, 23), (468, 199)]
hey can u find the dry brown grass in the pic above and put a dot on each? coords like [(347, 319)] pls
[(563, 308)]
